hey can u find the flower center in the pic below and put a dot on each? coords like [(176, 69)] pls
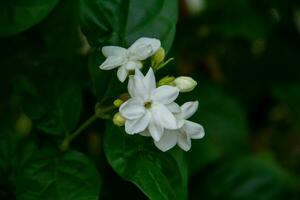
[(148, 104), (131, 72)]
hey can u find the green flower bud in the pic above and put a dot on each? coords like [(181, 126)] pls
[(118, 119), (118, 102), (185, 83), (23, 125), (167, 80), (158, 57)]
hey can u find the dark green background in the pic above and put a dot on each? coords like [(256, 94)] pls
[(244, 54)]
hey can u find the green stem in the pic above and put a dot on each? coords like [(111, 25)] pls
[(83, 126), (162, 64), (107, 109), (100, 114)]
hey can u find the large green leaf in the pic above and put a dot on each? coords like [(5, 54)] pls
[(15, 151), (50, 82), (121, 22), (17, 16), (65, 176), (159, 175), (55, 107)]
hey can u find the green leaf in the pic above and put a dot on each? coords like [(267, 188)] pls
[(15, 152), (55, 107), (49, 84), (61, 33), (250, 178), (122, 22), (100, 79), (159, 175), (67, 176), (17, 16), (105, 85)]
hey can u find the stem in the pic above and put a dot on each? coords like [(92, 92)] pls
[(107, 109), (163, 64), (83, 126), (100, 114)]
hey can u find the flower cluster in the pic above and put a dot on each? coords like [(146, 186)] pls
[(151, 109)]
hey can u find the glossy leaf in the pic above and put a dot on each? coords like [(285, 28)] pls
[(159, 175), (56, 108), (100, 79), (122, 22), (68, 176), (17, 16)]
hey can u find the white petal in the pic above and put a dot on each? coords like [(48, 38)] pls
[(165, 94), (163, 116), (144, 48), (112, 62), (113, 51), (122, 73), (145, 133), (193, 129), (184, 141), (132, 65), (149, 80), (130, 87), (167, 141), (137, 86), (155, 130), (137, 125), (139, 74), (173, 107), (189, 108), (180, 121), (132, 109)]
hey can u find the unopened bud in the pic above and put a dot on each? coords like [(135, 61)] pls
[(118, 102), (23, 125), (158, 57), (124, 97), (185, 83), (118, 119), (167, 80)]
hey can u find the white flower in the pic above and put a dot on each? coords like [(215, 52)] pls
[(182, 137), (149, 107), (185, 83), (129, 59)]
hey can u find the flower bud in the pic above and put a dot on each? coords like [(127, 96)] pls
[(167, 80), (158, 57), (23, 125), (185, 83), (124, 97), (118, 119), (118, 102)]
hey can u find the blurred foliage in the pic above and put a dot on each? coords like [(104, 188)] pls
[(244, 55)]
